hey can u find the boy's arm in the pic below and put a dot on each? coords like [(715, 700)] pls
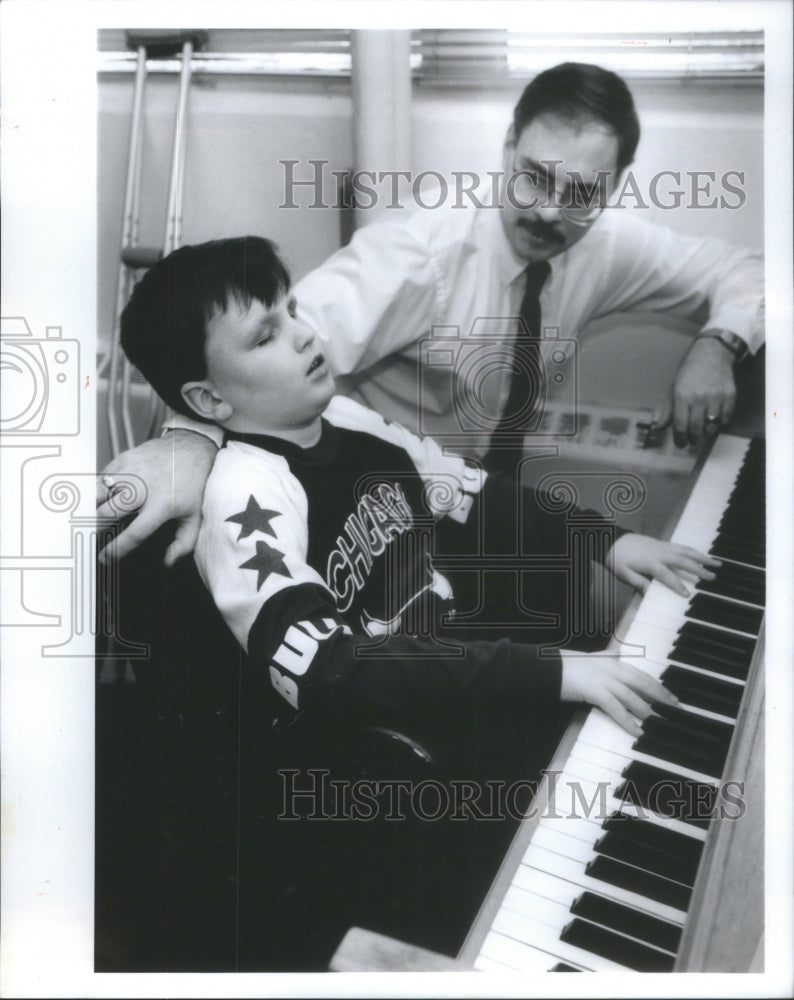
[(252, 553), (254, 561)]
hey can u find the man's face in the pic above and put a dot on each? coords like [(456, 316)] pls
[(564, 161), (265, 363)]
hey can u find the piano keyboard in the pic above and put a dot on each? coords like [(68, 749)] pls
[(609, 888)]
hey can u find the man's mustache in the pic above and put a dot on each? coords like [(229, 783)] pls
[(541, 230)]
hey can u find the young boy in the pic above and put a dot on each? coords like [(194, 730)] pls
[(317, 512), (321, 529)]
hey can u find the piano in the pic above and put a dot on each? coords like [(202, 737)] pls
[(620, 864)]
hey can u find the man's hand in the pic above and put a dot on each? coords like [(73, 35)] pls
[(703, 393), (619, 689), (174, 469), (638, 559)]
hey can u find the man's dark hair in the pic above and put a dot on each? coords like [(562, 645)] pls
[(164, 325), (580, 93)]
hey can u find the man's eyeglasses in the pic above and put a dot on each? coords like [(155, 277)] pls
[(536, 187)]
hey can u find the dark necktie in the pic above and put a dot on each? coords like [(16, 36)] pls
[(525, 394)]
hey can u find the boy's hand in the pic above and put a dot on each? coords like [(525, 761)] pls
[(619, 689), (174, 469), (638, 559)]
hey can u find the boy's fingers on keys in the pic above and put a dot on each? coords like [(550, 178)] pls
[(645, 685)]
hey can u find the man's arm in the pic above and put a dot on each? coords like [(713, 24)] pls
[(373, 297), (653, 268), (174, 469)]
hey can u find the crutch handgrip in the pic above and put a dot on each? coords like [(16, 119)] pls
[(141, 257), (165, 44)]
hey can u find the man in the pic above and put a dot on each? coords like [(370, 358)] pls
[(376, 303)]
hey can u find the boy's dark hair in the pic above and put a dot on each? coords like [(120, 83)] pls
[(164, 325), (582, 92)]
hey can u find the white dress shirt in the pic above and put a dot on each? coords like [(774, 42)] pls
[(414, 287)]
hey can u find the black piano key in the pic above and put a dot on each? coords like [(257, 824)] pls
[(670, 752), (648, 858), (644, 832), (722, 549), (718, 732), (756, 452), (717, 639), (741, 546), (741, 576), (662, 890), (667, 793), (710, 661), (725, 614), (691, 730), (723, 586), (563, 967), (705, 692), (600, 941), (628, 920), (747, 528), (689, 733), (710, 648)]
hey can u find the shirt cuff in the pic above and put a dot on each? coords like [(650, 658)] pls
[(750, 329)]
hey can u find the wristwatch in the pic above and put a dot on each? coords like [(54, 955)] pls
[(734, 343)]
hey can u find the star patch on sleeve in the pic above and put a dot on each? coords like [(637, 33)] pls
[(254, 518), (266, 561)]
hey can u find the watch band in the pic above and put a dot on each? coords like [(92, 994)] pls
[(732, 341)]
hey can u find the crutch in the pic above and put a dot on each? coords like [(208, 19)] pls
[(148, 45)]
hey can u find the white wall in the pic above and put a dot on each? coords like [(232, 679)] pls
[(239, 128)]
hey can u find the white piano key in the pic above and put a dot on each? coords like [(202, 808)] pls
[(654, 639), (532, 906), (552, 839), (550, 886), (661, 606), (546, 938), (707, 714), (515, 955), (545, 860), (699, 522), (483, 964), (581, 765), (535, 906), (578, 827)]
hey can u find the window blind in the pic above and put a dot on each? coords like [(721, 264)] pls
[(457, 57), (467, 57)]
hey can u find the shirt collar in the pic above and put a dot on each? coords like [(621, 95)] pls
[(511, 266), (322, 453)]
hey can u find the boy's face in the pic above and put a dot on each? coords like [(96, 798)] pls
[(265, 364)]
